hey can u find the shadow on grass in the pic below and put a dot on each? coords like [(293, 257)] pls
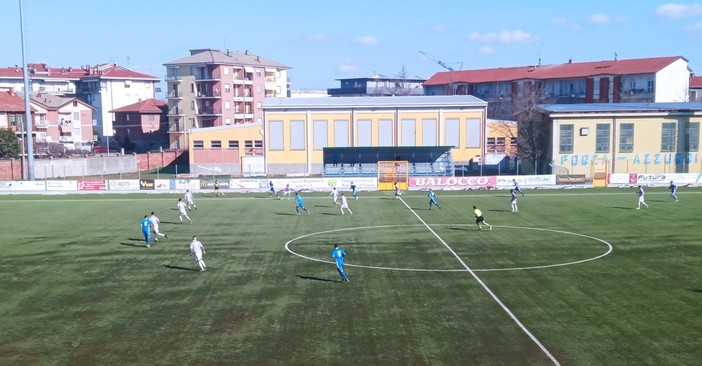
[(466, 228), (170, 222), (169, 266), (285, 214), (134, 245), (696, 290), (505, 210), (316, 278), (329, 214), (623, 208)]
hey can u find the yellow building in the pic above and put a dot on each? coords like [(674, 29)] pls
[(235, 150), (625, 138), (298, 129)]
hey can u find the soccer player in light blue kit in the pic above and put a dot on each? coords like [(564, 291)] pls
[(338, 254), (516, 187), (145, 226), (299, 203), (673, 191), (432, 199)]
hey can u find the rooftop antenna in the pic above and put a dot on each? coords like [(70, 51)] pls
[(615, 56)]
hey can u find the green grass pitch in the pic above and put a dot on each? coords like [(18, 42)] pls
[(79, 287)]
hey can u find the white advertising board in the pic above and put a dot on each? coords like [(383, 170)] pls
[(123, 185), (61, 185), (31, 185)]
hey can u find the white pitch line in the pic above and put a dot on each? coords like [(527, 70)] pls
[(486, 288)]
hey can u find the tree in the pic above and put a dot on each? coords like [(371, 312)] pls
[(9, 145), (532, 131)]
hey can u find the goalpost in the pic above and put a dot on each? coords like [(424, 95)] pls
[(390, 172)]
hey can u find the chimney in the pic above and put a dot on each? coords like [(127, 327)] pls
[(11, 92), (258, 58), (246, 52)]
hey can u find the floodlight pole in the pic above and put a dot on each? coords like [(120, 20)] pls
[(27, 109)]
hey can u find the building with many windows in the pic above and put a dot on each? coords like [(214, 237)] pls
[(625, 137), (211, 88), (660, 79), (104, 87), (142, 126), (62, 120)]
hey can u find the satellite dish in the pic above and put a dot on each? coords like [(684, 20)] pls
[(261, 132)]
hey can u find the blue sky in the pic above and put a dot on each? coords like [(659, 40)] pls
[(326, 40)]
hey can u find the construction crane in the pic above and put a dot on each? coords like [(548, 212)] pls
[(447, 67)]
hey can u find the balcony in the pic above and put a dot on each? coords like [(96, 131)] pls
[(175, 95), (65, 138), (175, 112), (214, 95), (177, 127), (42, 124), (173, 79), (207, 77), (209, 112)]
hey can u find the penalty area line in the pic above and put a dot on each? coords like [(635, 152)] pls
[(485, 287)]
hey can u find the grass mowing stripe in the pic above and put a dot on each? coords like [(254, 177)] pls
[(484, 286)]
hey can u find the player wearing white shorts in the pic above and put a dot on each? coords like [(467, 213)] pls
[(398, 193), (155, 222), (198, 250), (335, 196), (641, 198), (188, 196), (345, 204), (286, 191), (181, 208)]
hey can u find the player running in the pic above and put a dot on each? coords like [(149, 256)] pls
[(479, 219), (641, 194), (198, 250), (432, 199), (516, 187), (673, 191), (155, 222), (335, 196), (345, 204), (398, 193), (145, 226), (338, 254), (271, 190), (353, 190), (299, 204), (188, 197), (181, 208), (513, 200), (217, 191), (286, 191)]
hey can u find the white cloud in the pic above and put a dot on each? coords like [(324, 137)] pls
[(505, 36), (486, 50), (318, 37), (601, 19), (348, 67), (675, 11), (694, 31), (565, 23), (367, 40)]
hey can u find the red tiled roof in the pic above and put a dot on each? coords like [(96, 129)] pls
[(145, 106), (695, 81), (10, 102), (562, 71), (41, 71)]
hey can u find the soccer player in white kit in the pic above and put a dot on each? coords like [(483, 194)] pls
[(286, 192), (335, 196), (198, 250), (344, 204), (154, 226), (181, 207), (189, 200)]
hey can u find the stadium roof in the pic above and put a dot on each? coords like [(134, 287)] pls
[(370, 102)]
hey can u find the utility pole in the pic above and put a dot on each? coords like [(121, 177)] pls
[(27, 108)]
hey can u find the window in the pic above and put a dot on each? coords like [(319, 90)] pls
[(491, 141), (258, 144), (233, 144), (126, 116), (566, 143), (364, 129), (275, 135), (13, 121), (668, 136), (248, 144), (650, 86), (501, 141), (227, 105), (297, 135), (198, 144), (227, 121), (692, 136), (341, 133), (216, 144), (626, 137), (473, 132), (258, 89), (151, 118), (409, 132), (259, 105), (452, 136), (602, 138), (227, 89), (192, 105), (385, 132), (429, 132), (76, 116), (513, 141), (320, 134), (226, 70), (192, 88)]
